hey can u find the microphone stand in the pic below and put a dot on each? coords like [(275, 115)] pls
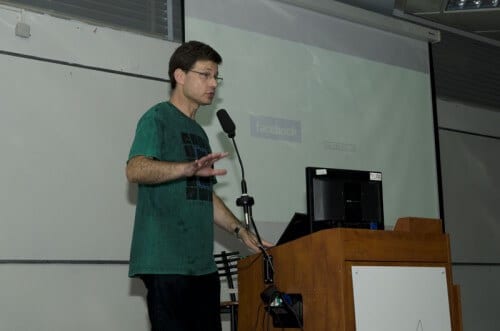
[(246, 201)]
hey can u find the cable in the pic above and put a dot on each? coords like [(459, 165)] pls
[(266, 256)]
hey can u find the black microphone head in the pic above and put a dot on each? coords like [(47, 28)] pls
[(226, 122)]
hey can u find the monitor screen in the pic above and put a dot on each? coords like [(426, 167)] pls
[(344, 198), (338, 198)]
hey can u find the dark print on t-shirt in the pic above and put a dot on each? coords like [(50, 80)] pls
[(197, 188)]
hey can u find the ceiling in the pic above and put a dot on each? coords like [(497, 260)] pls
[(481, 24)]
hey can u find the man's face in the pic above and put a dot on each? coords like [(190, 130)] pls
[(200, 82)]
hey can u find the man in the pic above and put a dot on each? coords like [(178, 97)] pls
[(171, 160)]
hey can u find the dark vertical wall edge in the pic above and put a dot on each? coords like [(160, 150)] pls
[(436, 138), (183, 22)]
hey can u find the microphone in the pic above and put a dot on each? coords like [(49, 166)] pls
[(226, 122), (245, 200)]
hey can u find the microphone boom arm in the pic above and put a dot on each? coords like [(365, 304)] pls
[(245, 200)]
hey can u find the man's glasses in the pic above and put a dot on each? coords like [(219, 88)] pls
[(207, 76)]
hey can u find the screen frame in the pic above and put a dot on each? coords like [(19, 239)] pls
[(313, 173)]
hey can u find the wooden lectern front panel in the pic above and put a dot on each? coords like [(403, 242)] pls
[(318, 267)]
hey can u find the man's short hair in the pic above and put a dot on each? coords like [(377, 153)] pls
[(186, 55)]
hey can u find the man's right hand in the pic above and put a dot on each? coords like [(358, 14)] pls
[(203, 166)]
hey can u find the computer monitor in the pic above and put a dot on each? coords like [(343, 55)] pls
[(344, 198), (338, 198)]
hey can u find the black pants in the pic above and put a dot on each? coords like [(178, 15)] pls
[(183, 303)]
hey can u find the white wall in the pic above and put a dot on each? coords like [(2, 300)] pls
[(480, 292), (48, 297), (89, 117), (76, 42), (34, 93), (469, 145)]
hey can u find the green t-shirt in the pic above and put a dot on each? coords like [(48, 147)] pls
[(173, 230)]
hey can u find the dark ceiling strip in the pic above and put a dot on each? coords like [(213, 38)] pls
[(42, 261)]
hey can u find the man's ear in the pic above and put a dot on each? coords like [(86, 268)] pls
[(179, 76)]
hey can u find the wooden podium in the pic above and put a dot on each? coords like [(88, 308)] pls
[(318, 266)]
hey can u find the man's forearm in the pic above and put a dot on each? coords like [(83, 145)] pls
[(223, 217), (144, 170)]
